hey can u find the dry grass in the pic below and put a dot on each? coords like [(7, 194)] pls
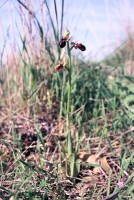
[(32, 139)]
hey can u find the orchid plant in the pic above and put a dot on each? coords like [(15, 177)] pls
[(65, 42)]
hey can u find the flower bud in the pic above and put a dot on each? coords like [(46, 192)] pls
[(67, 34)]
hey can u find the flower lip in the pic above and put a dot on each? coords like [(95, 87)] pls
[(59, 67), (79, 46), (62, 42)]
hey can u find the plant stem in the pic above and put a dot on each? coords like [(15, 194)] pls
[(62, 95), (69, 139), (69, 79)]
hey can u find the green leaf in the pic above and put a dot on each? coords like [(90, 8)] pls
[(74, 162)]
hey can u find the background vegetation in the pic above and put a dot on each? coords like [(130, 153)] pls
[(32, 120)]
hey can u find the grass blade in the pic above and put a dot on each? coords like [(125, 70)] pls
[(62, 17), (56, 14)]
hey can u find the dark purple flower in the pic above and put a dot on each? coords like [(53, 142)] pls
[(62, 42), (79, 46), (59, 67)]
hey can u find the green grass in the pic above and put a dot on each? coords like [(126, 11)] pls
[(33, 107)]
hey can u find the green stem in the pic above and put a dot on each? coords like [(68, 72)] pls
[(62, 96), (69, 139), (69, 79), (69, 92)]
